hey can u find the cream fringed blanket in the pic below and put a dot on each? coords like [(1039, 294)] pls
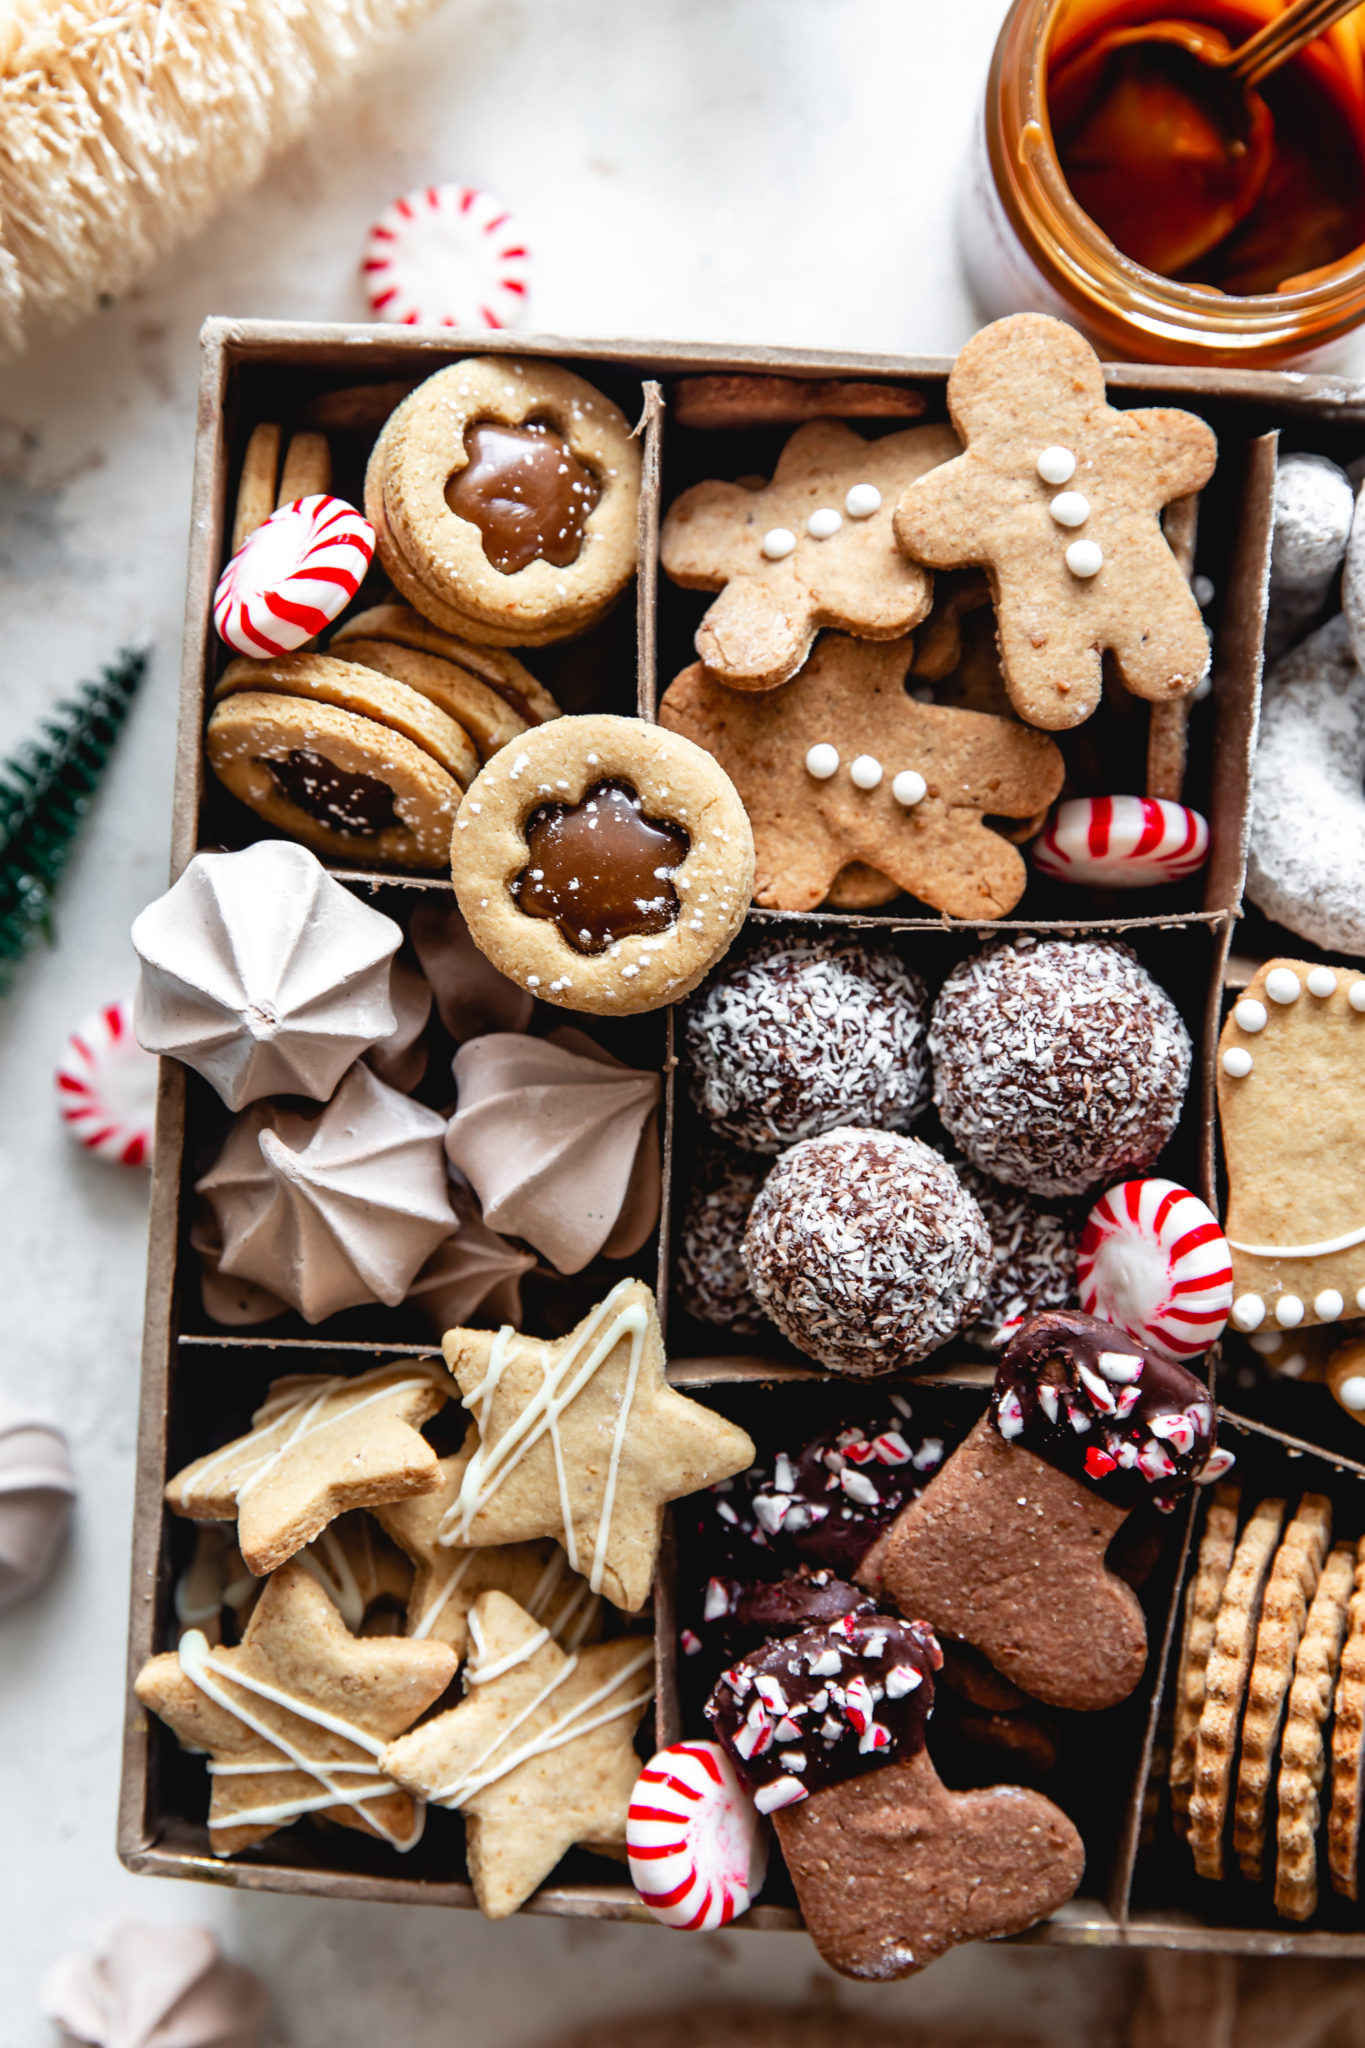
[(125, 123)]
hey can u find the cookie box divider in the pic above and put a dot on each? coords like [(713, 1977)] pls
[(242, 359)]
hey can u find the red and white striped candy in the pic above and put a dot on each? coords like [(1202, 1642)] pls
[(1153, 1261), (106, 1088), (697, 1848), (447, 256), (292, 576), (1126, 842)]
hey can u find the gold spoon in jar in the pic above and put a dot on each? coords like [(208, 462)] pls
[(1162, 136)]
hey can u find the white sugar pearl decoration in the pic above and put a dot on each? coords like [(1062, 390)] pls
[(1085, 558), (866, 772), (1328, 1305), (1070, 509), (862, 501), (1237, 1062), (822, 761), (1356, 997), (909, 788), (1248, 1312), (1282, 985), (778, 543), (1250, 1014), (1289, 1311), (824, 523), (1321, 981), (1351, 1393), (1056, 465), (1360, 1298)]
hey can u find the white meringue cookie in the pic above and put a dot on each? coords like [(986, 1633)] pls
[(156, 1987), (332, 1211), (37, 1487), (263, 973)]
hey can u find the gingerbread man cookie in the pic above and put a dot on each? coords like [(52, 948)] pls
[(1293, 1123), (842, 767), (812, 548), (1059, 497)]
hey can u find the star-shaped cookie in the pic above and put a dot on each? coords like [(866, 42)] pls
[(318, 1445), (581, 1439), (538, 1756), (814, 547), (295, 1719), (450, 1576), (1059, 496), (850, 703)]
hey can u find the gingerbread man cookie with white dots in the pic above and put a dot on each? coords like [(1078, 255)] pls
[(1291, 1061), (841, 769), (1058, 496), (811, 548)]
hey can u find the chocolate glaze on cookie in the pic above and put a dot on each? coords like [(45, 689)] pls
[(826, 1705), (1081, 1395), (601, 868), (739, 1618), (526, 491), (360, 805), (848, 1485)]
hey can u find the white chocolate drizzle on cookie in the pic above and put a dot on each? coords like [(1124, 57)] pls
[(298, 1417), (1321, 1250), (198, 1664), (570, 1622)]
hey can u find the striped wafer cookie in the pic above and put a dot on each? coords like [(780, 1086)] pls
[(1202, 1598), (1348, 1747), (1225, 1683), (1303, 1746), (1293, 1581)]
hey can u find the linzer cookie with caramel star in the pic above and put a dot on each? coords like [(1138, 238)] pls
[(504, 496), (603, 864)]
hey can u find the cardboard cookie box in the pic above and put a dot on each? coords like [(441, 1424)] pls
[(201, 1380)]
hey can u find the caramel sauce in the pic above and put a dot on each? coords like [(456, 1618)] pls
[(526, 491), (601, 868), (1155, 143), (359, 805)]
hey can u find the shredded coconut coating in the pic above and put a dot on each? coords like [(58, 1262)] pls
[(710, 1281), (866, 1250), (1033, 1259), (1057, 1065), (804, 1035)]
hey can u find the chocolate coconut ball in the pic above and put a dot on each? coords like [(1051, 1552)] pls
[(710, 1281), (1033, 1258), (866, 1250), (1056, 1065), (804, 1035)]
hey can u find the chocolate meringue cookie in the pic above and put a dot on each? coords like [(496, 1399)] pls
[(37, 1487), (472, 1278), (560, 1142), (471, 996), (332, 1211), (156, 1987), (401, 1058), (263, 973)]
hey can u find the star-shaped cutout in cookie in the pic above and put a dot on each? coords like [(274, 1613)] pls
[(318, 1445), (581, 1438), (814, 547), (850, 701), (450, 1576), (540, 1753), (295, 1719), (1059, 496)]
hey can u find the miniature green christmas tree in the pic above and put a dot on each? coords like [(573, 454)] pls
[(45, 792)]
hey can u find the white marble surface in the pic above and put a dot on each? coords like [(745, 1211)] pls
[(758, 170)]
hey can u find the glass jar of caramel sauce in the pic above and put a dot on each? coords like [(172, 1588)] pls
[(1074, 209)]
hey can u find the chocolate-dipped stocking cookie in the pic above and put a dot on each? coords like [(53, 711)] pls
[(1005, 1549), (891, 1868)]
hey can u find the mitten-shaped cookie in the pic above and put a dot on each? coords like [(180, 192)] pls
[(827, 1730), (1006, 1546), (1059, 498)]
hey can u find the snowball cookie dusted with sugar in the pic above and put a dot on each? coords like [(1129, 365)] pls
[(803, 1034), (866, 1250), (1057, 1065), (1314, 505), (603, 864)]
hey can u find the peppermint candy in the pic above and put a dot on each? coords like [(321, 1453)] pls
[(106, 1088), (447, 256), (1126, 842), (1153, 1261), (292, 576), (698, 1851)]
